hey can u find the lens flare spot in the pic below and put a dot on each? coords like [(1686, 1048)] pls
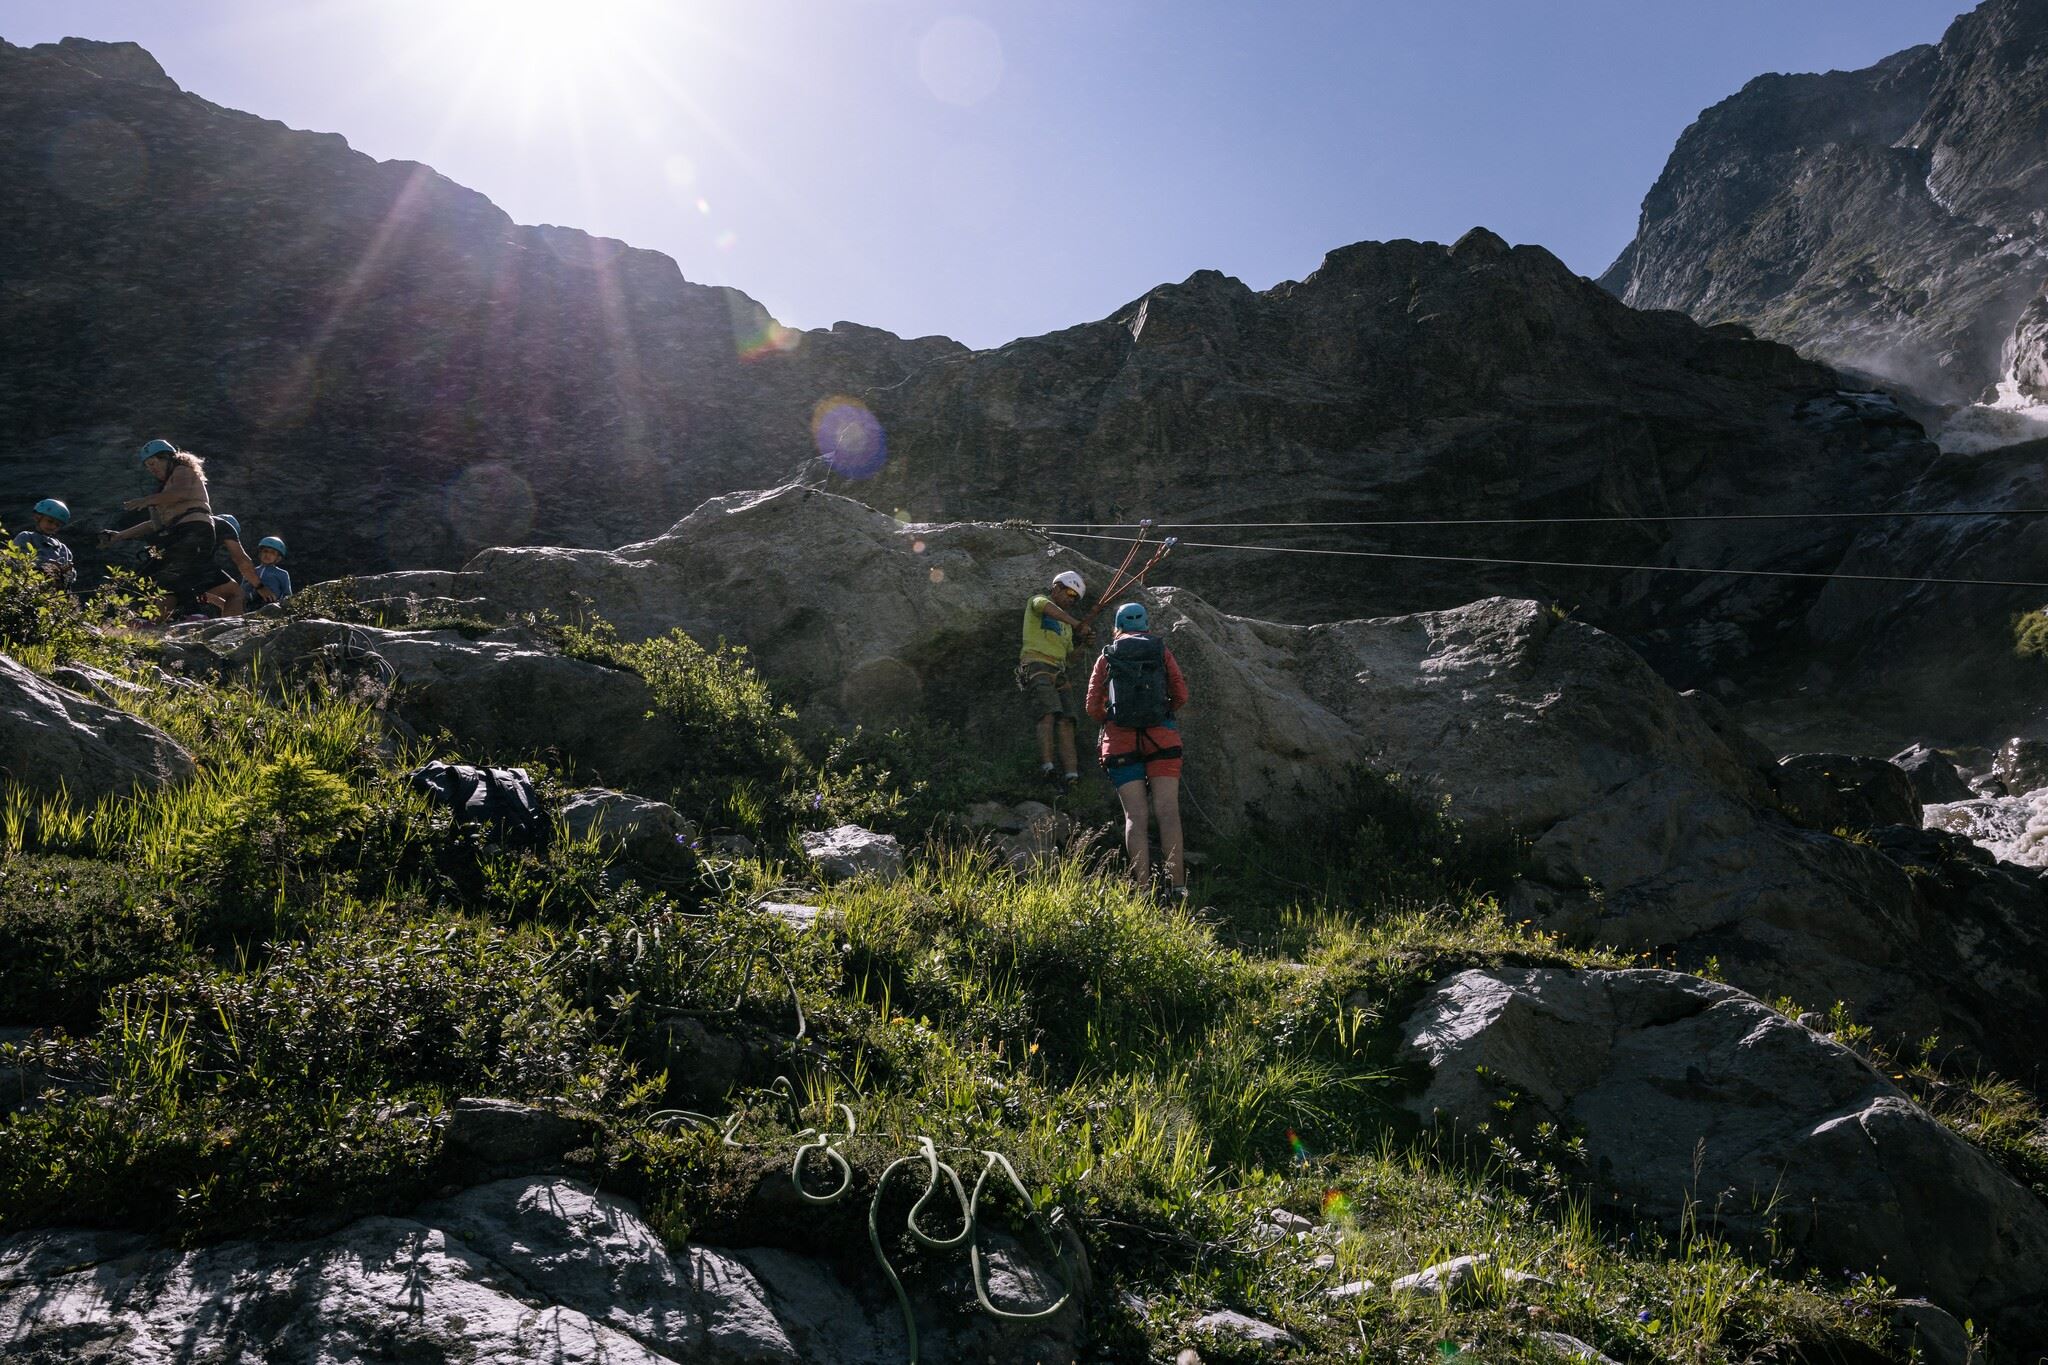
[(1337, 1206), (489, 504), (961, 60), (703, 206), (680, 170), (917, 547), (726, 240), (938, 575), (849, 437)]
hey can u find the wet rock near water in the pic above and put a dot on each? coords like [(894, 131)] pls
[(1688, 1090), (1934, 775), (2020, 766), (1830, 791)]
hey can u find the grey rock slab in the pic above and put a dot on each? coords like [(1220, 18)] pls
[(1935, 1334), (1571, 1348), (509, 1273), (1240, 1327), (504, 1132), (848, 851), (649, 833), (1934, 775), (52, 739), (1350, 1289), (1445, 1277), (505, 699), (1688, 1089), (1844, 789)]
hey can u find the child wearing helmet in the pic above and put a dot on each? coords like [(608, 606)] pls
[(1050, 630), (239, 577), (53, 556), (1134, 692), (273, 583)]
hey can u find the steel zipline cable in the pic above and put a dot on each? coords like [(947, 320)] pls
[(1543, 521), (1578, 564)]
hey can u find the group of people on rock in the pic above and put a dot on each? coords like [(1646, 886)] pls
[(195, 554), (1135, 692)]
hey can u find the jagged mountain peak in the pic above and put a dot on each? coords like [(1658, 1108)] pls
[(1893, 220), (123, 61)]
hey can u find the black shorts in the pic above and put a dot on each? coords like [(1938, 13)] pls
[(184, 559)]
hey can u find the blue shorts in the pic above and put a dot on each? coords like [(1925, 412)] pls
[(1139, 763)]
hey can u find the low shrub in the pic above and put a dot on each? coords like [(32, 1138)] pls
[(73, 930)]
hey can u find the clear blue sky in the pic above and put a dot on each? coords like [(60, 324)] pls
[(996, 170)]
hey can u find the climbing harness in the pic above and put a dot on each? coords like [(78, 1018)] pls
[(827, 1143)]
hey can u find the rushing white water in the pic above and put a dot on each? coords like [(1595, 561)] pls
[(2012, 418), (2013, 828)]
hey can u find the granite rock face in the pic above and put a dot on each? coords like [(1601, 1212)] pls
[(1412, 380), (52, 739), (508, 1273), (1893, 220), (1690, 1090)]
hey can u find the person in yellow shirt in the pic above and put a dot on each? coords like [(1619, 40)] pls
[(1050, 632)]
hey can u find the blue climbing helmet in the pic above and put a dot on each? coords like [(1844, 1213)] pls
[(55, 510), (1131, 616), (152, 449), (234, 522), (272, 543)]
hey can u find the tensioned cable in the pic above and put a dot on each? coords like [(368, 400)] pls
[(1588, 564), (1553, 521)]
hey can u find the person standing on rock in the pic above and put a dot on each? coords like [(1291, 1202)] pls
[(179, 523), (1133, 693), (1050, 632)]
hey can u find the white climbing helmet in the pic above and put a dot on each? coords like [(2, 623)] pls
[(1071, 580)]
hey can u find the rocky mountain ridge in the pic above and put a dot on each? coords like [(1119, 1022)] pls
[(1893, 220), (384, 364)]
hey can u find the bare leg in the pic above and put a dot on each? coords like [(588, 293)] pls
[(1045, 740), (1166, 802), (1066, 728), (1137, 838)]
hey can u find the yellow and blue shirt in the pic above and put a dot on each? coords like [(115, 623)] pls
[(1047, 639)]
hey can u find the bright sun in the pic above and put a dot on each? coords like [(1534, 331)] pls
[(551, 42)]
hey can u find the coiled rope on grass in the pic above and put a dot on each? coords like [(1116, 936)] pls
[(828, 1144)]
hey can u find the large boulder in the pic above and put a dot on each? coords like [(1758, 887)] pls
[(1833, 790), (1692, 1093), (53, 740), (1652, 819), (503, 1274), (1933, 774), (504, 696)]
